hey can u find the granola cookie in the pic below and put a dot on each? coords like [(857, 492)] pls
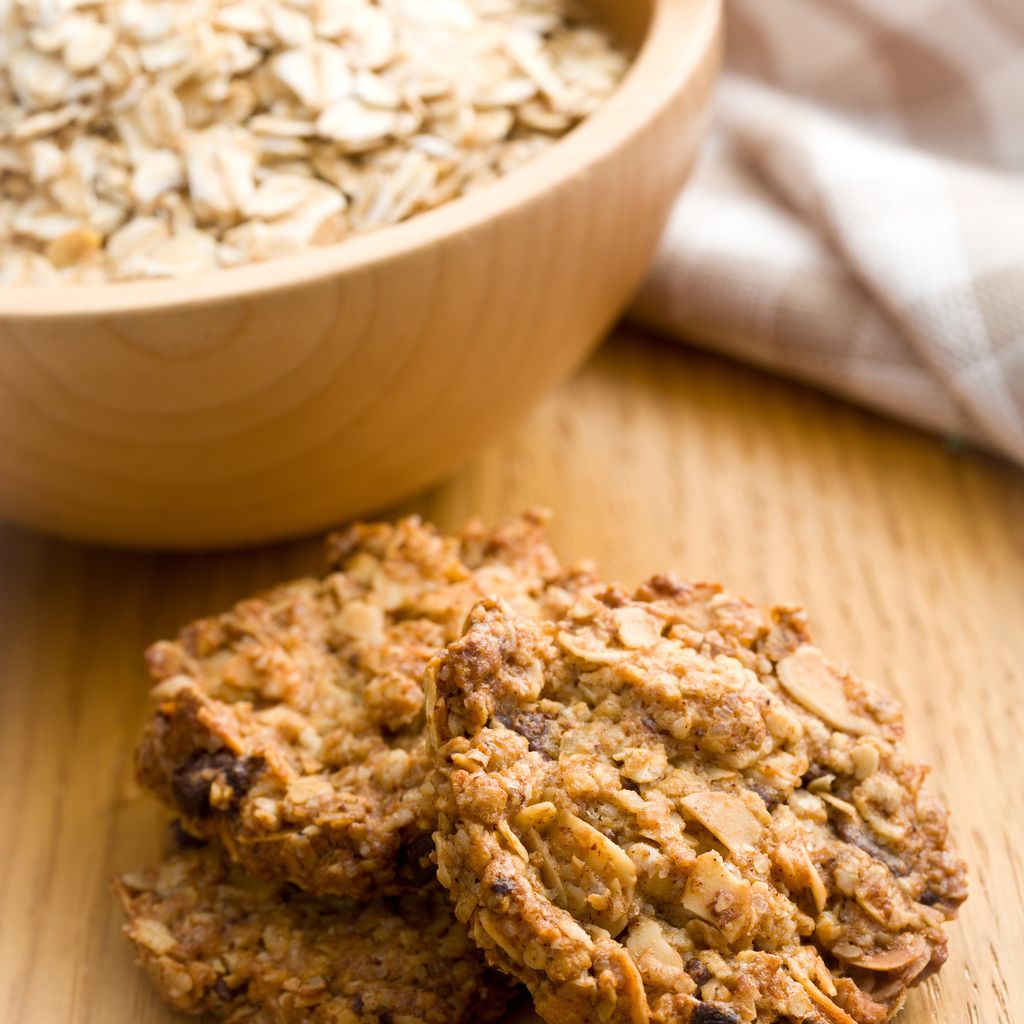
[(672, 808), (291, 727), (215, 941)]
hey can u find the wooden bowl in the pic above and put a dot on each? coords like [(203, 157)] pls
[(281, 397)]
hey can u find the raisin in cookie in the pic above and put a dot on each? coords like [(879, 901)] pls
[(291, 727), (671, 808), (215, 941)]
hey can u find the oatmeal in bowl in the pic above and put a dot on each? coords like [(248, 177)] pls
[(144, 138)]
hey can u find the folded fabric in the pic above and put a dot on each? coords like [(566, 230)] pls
[(857, 219)]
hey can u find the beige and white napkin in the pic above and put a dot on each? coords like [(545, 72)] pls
[(857, 219)]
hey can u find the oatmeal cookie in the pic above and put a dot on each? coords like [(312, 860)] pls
[(215, 941), (291, 727), (672, 808)]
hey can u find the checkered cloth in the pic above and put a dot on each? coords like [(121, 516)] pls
[(858, 219)]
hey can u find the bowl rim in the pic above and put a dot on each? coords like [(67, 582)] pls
[(677, 36)]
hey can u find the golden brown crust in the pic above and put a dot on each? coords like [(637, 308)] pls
[(215, 941), (291, 727), (672, 808)]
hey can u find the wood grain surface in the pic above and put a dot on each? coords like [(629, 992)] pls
[(910, 557)]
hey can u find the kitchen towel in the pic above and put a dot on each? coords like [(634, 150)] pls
[(857, 219)]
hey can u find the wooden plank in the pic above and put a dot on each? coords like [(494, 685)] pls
[(910, 557)]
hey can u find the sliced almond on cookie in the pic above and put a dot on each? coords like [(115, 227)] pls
[(714, 894), (828, 1009), (629, 989), (646, 938), (598, 654), (726, 817), (894, 959), (636, 628), (809, 679), (589, 875)]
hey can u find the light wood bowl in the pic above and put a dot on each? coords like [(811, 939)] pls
[(279, 398)]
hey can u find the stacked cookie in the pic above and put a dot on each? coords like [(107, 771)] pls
[(651, 806)]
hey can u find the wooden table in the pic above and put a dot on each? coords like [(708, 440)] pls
[(910, 557)]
